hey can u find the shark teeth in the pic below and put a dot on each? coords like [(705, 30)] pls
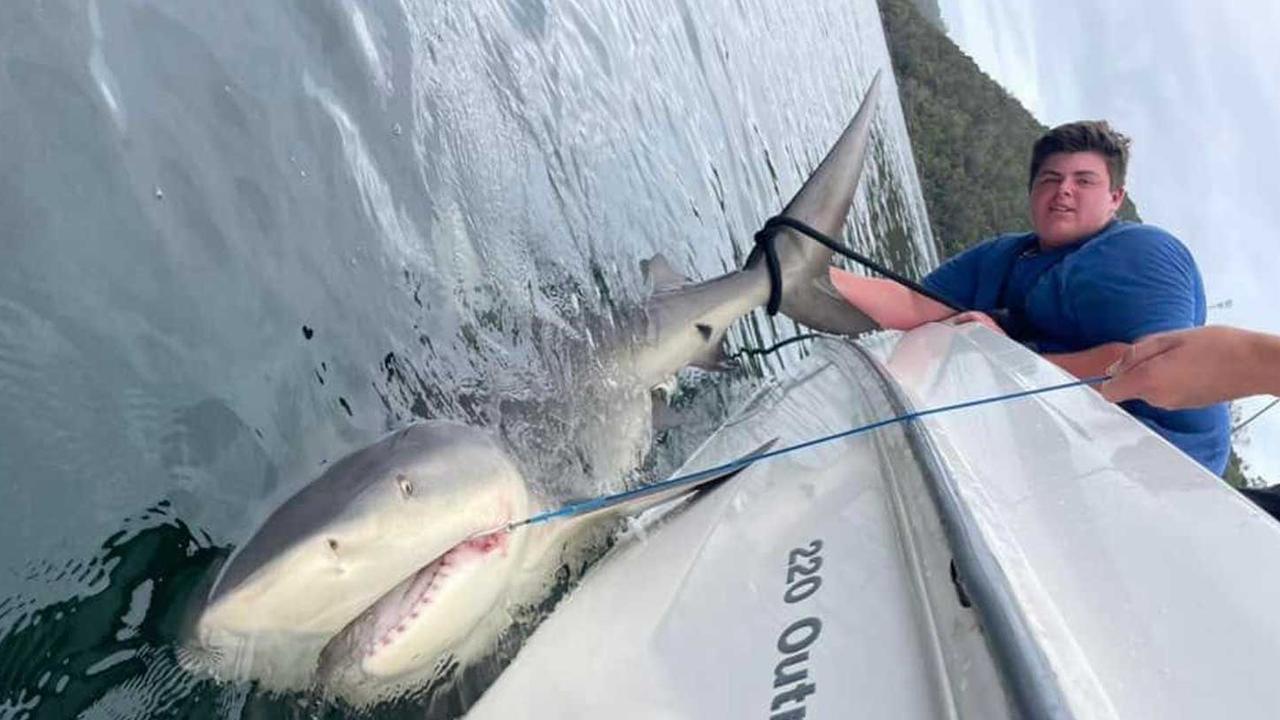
[(425, 586)]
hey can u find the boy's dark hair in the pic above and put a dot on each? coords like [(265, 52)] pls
[(1094, 135)]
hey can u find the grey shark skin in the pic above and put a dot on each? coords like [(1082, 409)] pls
[(386, 564)]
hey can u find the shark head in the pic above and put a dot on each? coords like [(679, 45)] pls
[(397, 528)]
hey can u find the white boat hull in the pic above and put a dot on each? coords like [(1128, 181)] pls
[(1109, 575)]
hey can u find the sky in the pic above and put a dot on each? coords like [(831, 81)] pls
[(1196, 85)]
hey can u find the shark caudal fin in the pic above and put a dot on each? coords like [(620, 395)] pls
[(823, 203)]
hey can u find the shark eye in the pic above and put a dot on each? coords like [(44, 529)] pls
[(406, 487), (333, 545)]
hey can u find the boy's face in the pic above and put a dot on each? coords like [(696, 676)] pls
[(1071, 198)]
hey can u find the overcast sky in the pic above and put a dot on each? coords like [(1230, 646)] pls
[(1197, 87)]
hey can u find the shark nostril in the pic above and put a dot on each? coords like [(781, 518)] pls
[(406, 487)]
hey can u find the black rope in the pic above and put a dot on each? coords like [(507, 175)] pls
[(1011, 321), (776, 346), (764, 243)]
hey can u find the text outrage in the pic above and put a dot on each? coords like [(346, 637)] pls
[(791, 682)]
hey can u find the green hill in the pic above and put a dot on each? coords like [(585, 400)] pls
[(930, 11)]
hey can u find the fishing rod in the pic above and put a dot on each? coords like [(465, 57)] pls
[(692, 480), (1254, 416), (778, 345)]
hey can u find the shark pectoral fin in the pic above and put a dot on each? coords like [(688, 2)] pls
[(742, 463), (661, 275), (635, 501), (698, 482), (818, 305)]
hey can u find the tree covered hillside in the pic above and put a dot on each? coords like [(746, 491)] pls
[(930, 11)]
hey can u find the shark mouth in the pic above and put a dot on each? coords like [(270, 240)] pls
[(420, 619), (395, 613)]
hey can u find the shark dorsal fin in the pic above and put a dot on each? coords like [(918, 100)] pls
[(660, 274)]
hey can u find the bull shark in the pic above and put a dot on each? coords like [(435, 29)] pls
[(386, 569)]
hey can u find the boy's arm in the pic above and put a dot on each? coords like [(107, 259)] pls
[(891, 305), (1198, 367)]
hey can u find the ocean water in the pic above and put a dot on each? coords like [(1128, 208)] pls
[(240, 240)]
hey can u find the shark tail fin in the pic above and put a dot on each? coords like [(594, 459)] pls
[(818, 305), (823, 203)]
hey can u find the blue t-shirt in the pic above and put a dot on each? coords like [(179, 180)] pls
[(1125, 282)]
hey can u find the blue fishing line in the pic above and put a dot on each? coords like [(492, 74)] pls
[(585, 506)]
